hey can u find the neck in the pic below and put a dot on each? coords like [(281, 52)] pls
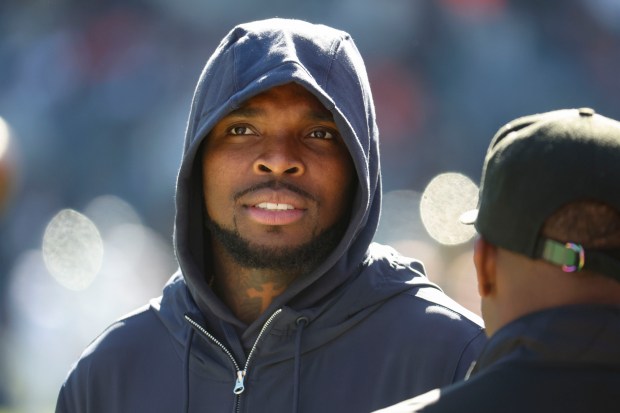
[(248, 292)]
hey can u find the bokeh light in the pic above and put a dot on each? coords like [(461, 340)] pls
[(136, 263), (4, 137), (445, 198), (72, 249), (107, 212)]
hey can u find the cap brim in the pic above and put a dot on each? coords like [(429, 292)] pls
[(469, 217)]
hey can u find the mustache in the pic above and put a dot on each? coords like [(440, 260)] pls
[(275, 184)]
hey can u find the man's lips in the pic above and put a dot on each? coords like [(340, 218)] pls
[(279, 207), (274, 203), (266, 205), (267, 213)]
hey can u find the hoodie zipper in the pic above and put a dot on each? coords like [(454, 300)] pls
[(239, 373)]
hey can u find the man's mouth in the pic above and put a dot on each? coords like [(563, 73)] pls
[(275, 213), (270, 206)]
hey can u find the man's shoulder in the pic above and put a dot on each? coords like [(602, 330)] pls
[(439, 302), (385, 258), (429, 309), (419, 312), (124, 338), (392, 267), (120, 364)]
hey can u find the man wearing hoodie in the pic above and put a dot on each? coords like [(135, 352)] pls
[(281, 302), (548, 265)]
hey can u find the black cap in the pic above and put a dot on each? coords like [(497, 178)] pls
[(539, 163)]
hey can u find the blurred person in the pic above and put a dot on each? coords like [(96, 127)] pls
[(281, 302), (548, 268)]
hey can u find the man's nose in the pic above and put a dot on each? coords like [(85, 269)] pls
[(280, 156)]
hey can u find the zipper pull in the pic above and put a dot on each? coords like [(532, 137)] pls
[(239, 387)]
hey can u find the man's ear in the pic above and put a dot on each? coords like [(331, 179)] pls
[(485, 261)]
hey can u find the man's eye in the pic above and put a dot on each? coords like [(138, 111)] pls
[(322, 134), (240, 130)]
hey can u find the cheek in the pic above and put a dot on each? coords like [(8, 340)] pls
[(214, 184), (340, 186), (349, 178)]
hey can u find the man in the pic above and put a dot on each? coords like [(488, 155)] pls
[(548, 267), (281, 303)]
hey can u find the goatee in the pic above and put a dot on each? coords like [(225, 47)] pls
[(301, 259)]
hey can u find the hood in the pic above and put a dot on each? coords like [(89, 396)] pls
[(251, 59)]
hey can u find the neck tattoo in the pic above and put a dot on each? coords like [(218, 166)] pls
[(266, 293)]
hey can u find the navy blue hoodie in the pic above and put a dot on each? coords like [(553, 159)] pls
[(363, 330)]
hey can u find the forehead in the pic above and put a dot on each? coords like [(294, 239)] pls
[(285, 96)]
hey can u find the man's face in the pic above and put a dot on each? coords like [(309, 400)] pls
[(277, 177)]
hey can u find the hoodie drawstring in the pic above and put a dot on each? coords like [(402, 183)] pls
[(188, 346), (301, 323)]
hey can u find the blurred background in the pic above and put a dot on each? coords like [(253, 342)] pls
[(94, 97)]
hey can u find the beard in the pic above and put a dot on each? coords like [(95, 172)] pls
[(300, 259)]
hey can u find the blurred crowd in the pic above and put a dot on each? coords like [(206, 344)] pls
[(94, 97)]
